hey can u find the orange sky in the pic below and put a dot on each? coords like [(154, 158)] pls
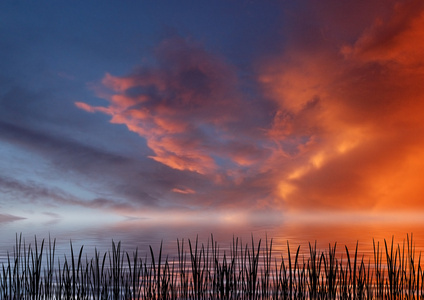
[(346, 128), (361, 104)]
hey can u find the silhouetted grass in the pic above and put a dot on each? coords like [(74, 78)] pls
[(246, 271)]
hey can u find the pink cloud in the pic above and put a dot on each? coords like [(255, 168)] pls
[(183, 191), (184, 106)]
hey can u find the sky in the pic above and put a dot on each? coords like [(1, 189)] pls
[(220, 108)]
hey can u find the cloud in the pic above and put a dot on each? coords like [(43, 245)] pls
[(186, 105), (183, 191), (349, 124), (391, 40), (107, 181), (36, 194), (103, 173), (8, 218), (336, 124)]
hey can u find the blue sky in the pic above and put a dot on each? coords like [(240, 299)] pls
[(157, 108)]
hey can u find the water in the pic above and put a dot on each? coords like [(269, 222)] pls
[(142, 233), (325, 230)]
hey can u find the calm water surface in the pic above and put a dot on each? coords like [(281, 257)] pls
[(141, 233)]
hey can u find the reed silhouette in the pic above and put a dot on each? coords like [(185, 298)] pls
[(246, 271)]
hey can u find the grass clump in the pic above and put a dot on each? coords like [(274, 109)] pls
[(246, 271)]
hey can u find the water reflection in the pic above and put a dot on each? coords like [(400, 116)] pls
[(140, 233)]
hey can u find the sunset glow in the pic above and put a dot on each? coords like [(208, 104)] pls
[(241, 109)]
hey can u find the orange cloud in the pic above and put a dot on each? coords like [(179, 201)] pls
[(346, 132), (349, 127), (398, 40)]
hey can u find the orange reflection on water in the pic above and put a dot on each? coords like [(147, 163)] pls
[(348, 230), (325, 229)]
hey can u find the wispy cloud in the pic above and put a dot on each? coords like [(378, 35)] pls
[(89, 167), (109, 181), (183, 191), (9, 218), (44, 196)]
